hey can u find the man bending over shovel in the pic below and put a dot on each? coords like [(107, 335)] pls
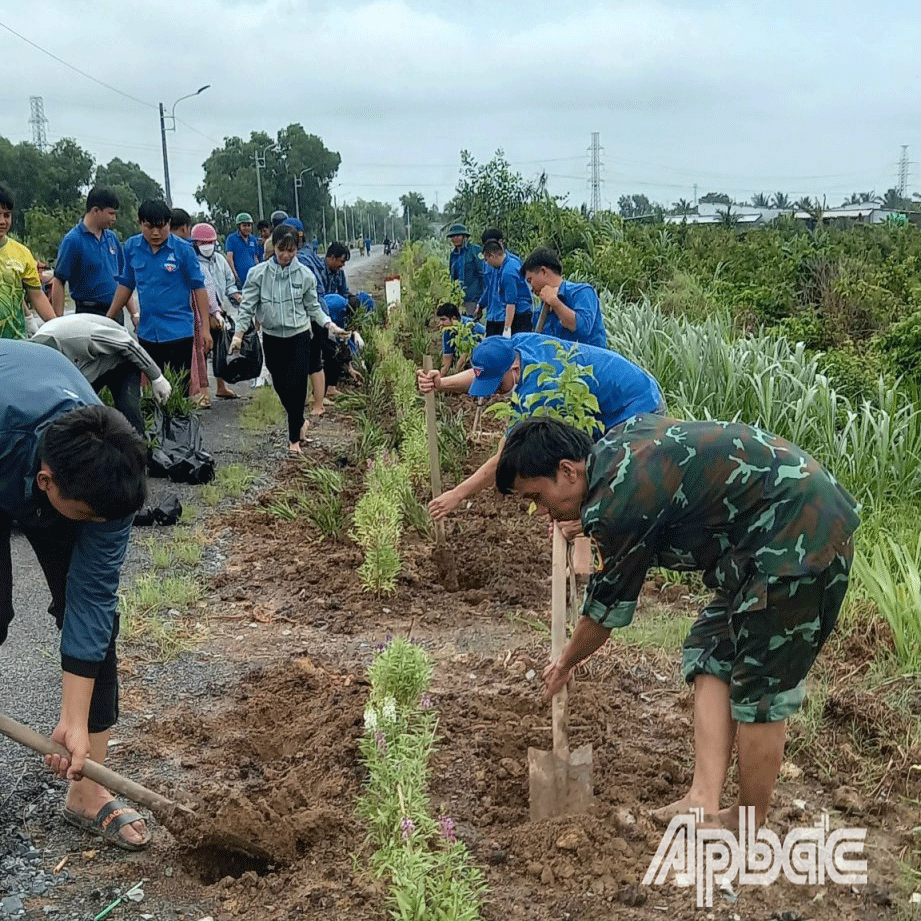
[(72, 476), (500, 365), (771, 531)]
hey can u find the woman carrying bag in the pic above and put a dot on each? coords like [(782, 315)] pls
[(281, 293)]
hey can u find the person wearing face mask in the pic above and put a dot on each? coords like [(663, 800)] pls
[(281, 293), (219, 283)]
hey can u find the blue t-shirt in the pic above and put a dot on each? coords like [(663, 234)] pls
[(622, 388), (583, 299), (246, 253), (509, 288), (164, 281), (447, 337), (90, 266)]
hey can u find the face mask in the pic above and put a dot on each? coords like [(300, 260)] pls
[(206, 249)]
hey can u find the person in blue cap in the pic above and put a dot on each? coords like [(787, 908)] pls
[(573, 308), (500, 365), (466, 266)]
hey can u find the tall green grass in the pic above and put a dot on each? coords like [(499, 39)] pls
[(711, 370)]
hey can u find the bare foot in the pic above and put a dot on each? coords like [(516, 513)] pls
[(304, 429), (729, 818), (683, 806), (316, 412), (295, 448), (87, 798)]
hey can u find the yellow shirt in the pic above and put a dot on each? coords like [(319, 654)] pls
[(17, 271)]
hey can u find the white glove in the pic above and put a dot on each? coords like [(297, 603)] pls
[(337, 331), (161, 389), (359, 342), (507, 332), (235, 343), (32, 325)]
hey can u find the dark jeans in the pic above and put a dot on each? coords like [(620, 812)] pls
[(288, 361), (53, 546), (176, 353), (124, 383), (91, 307), (521, 323)]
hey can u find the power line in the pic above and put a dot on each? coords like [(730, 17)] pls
[(82, 73)]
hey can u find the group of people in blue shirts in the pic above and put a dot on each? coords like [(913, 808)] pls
[(516, 339)]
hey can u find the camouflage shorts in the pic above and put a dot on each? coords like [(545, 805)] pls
[(764, 655)]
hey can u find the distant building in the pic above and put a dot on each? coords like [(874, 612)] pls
[(749, 216)]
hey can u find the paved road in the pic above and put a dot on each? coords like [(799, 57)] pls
[(30, 675)]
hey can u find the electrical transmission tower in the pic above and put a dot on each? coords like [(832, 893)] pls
[(38, 122), (595, 181), (903, 172)]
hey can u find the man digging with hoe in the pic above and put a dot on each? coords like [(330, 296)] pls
[(771, 531)]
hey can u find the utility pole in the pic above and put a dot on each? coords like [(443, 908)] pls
[(695, 194), (903, 172), (169, 198), (38, 122), (595, 150), (260, 164), (172, 127), (336, 216)]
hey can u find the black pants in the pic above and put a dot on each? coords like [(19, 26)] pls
[(521, 323), (177, 353), (124, 383), (91, 307), (53, 546), (288, 361), (322, 349)]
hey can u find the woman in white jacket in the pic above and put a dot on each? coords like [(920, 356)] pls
[(281, 293), (221, 288)]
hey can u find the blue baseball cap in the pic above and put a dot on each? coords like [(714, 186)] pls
[(490, 360), (295, 223)]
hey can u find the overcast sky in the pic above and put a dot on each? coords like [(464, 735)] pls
[(803, 96)]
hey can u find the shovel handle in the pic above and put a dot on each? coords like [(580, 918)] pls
[(96, 772), (541, 318), (560, 708), (431, 425)]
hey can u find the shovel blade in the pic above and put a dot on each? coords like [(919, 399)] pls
[(560, 786)]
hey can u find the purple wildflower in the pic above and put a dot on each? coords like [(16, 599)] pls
[(381, 741), (407, 827), (426, 703), (446, 823)]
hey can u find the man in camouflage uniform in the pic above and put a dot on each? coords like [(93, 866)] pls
[(768, 526)]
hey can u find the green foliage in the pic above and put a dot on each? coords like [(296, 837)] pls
[(493, 195), (901, 347), (317, 497), (466, 339), (229, 185), (376, 528), (430, 872), (890, 576), (565, 394)]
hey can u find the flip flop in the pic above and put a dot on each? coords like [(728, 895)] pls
[(107, 823)]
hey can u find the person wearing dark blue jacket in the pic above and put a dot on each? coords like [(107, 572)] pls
[(466, 266), (72, 477)]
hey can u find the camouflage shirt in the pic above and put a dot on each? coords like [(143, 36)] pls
[(740, 504)]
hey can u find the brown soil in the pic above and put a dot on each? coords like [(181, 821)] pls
[(278, 765)]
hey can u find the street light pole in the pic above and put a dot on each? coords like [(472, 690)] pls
[(172, 127), (298, 182), (260, 164)]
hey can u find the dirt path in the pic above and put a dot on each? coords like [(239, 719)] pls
[(261, 722)]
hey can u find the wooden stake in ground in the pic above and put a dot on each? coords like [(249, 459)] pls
[(443, 558), (560, 780)]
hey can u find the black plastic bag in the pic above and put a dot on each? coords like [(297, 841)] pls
[(177, 452), (244, 365), (169, 511)]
